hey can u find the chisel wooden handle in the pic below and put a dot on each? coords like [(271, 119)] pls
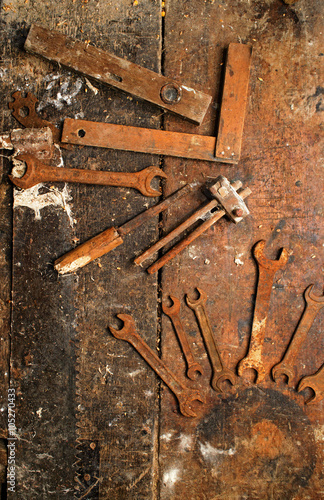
[(88, 251)]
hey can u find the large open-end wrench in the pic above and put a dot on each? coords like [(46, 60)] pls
[(37, 172), (314, 382), (219, 372), (267, 271), (184, 395), (314, 304), (174, 314)]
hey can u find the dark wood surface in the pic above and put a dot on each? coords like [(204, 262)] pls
[(92, 417)]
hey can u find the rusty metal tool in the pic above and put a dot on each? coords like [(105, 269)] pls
[(173, 311), (286, 367), (219, 372), (112, 237), (267, 270), (24, 110), (224, 195), (35, 141), (37, 172), (225, 148), (184, 395), (110, 69), (314, 382)]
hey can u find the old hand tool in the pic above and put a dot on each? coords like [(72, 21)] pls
[(35, 141), (30, 119), (219, 372), (286, 367), (112, 237), (314, 382), (37, 172), (108, 68), (225, 198), (173, 312), (184, 395), (267, 270), (225, 148)]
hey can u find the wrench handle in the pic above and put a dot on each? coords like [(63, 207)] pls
[(155, 363), (209, 339), (261, 309), (300, 334), (183, 340)]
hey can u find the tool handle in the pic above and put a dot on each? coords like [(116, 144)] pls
[(191, 237), (88, 251)]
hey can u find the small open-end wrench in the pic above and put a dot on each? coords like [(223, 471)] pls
[(37, 172), (219, 372), (314, 382), (314, 304), (267, 270), (174, 314), (184, 395)]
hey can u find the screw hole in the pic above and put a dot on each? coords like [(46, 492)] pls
[(81, 133), (23, 112)]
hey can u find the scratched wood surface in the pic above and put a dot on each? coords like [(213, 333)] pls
[(92, 417)]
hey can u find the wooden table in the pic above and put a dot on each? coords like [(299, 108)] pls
[(92, 417)]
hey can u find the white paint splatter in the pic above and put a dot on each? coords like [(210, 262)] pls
[(212, 454), (185, 442), (64, 97), (319, 433), (189, 89), (171, 477), (32, 199), (91, 87), (136, 372), (237, 259), (167, 436)]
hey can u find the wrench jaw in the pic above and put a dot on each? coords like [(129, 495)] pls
[(246, 364), (128, 331), (218, 378), (194, 303), (151, 172), (185, 402), (172, 310), (28, 179), (194, 371), (306, 383), (263, 261), (310, 297), (282, 370)]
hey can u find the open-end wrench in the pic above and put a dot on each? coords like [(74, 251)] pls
[(314, 382), (314, 304), (173, 312), (267, 270), (37, 172), (219, 372), (184, 395)]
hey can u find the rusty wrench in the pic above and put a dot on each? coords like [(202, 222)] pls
[(314, 382), (173, 312), (314, 304), (184, 395), (267, 270), (37, 172), (219, 372)]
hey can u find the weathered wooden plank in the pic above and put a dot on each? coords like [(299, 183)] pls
[(72, 379), (238, 446)]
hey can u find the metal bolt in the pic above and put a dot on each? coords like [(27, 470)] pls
[(238, 212), (171, 93)]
